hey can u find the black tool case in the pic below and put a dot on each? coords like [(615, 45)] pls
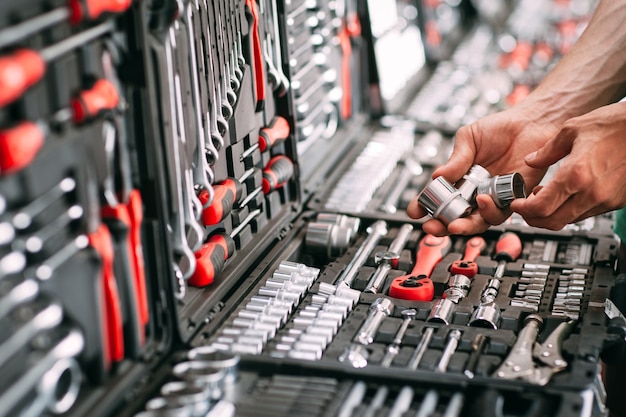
[(185, 186)]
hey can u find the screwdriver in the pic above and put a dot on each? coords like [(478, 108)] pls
[(75, 11), (19, 145), (417, 285), (276, 132), (212, 256), (103, 95), (278, 171), (467, 266), (508, 249), (226, 195), (25, 67)]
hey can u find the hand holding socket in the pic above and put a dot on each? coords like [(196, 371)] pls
[(446, 202)]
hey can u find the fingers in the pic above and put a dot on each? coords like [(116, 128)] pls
[(462, 157), (553, 151), (414, 210)]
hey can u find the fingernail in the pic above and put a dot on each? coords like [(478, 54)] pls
[(531, 156)]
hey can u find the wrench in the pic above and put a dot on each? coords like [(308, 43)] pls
[(38, 318), (22, 292), (67, 348), (24, 218)]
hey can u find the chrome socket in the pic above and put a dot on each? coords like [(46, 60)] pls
[(447, 202)]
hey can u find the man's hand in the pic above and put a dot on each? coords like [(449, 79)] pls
[(499, 143), (591, 180)]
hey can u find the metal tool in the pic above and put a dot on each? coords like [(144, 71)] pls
[(379, 309), (67, 348), (375, 232), (388, 259), (443, 309), (454, 337), (478, 345), (394, 348), (420, 349), (519, 364), (429, 404), (402, 403), (410, 169), (24, 217), (377, 401), (354, 398)]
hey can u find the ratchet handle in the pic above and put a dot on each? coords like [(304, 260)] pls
[(431, 251), (412, 287)]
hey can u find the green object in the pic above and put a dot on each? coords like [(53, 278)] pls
[(619, 227)]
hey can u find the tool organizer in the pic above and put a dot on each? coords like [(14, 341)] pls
[(189, 192)]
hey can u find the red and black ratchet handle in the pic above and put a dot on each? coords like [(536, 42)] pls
[(417, 285), (468, 266)]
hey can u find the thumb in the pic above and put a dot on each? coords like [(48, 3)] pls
[(461, 159), (553, 151)]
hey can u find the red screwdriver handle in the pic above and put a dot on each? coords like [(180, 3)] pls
[(94, 8), (508, 247), (135, 211), (277, 131), (226, 194), (18, 72), (89, 103), (19, 145), (277, 173), (210, 260)]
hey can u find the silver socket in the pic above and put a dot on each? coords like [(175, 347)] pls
[(471, 181), (443, 202), (503, 189), (328, 239)]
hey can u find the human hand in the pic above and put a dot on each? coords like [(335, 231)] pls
[(591, 180), (498, 143)]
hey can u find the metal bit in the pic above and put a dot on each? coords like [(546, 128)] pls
[(376, 232), (453, 342), (394, 348)]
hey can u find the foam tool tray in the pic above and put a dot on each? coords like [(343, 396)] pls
[(498, 320)]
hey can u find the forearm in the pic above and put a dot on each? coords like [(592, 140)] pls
[(592, 74)]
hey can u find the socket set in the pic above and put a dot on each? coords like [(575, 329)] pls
[(202, 213)]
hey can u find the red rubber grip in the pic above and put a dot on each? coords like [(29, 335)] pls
[(210, 260), (412, 287), (473, 248), (94, 8), (277, 173), (19, 145), (102, 96), (463, 267), (508, 247), (257, 56), (18, 72), (102, 243), (226, 194), (431, 251), (277, 131)]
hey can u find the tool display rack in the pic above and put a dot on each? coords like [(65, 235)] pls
[(185, 184)]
